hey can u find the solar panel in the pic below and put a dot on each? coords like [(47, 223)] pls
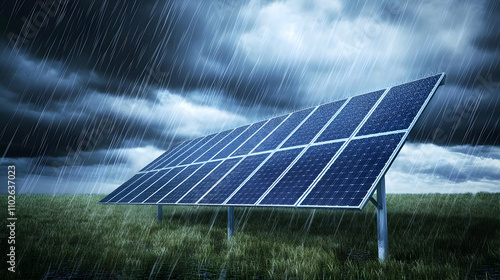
[(225, 187), (400, 106), (332, 155), (313, 124), (180, 190), (221, 144), (208, 182), (254, 188), (192, 150), (268, 128), (123, 187), (231, 147), (282, 132), (302, 174), (165, 156), (176, 180), (163, 163), (350, 117), (170, 173), (354, 172)]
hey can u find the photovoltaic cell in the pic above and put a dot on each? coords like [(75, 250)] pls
[(199, 190), (206, 147), (148, 191), (217, 148), (165, 156), (144, 184), (302, 174), (354, 172), (226, 187), (164, 163), (193, 149), (258, 136), (399, 107), (123, 187), (174, 182), (350, 117), (238, 141), (130, 186), (282, 132), (311, 127), (254, 188), (176, 194), (219, 170)]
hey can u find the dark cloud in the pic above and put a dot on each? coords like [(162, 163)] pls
[(488, 37), (67, 68)]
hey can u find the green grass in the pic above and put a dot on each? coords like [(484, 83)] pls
[(430, 237)]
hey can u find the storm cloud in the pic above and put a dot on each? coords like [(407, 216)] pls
[(87, 84)]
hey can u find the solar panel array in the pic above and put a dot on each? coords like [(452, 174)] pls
[(331, 155)]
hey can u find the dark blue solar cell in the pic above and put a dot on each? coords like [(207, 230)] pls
[(164, 156), (302, 174), (183, 188), (308, 130), (150, 190), (233, 180), (163, 163), (258, 136), (142, 186), (193, 149), (130, 185), (210, 144), (240, 140), (399, 107), (219, 146), (197, 192), (123, 187), (188, 171), (354, 172), (350, 117), (282, 132), (256, 186)]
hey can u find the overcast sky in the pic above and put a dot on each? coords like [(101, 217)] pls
[(92, 91)]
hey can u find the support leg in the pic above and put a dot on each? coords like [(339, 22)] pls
[(160, 212), (230, 222), (383, 240)]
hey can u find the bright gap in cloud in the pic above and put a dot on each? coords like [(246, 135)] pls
[(428, 168)]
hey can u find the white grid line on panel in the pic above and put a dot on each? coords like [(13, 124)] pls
[(403, 139), (119, 201), (341, 149), (173, 157), (195, 185), (224, 145), (243, 143), (264, 139), (222, 178), (189, 176), (302, 152), (194, 161), (290, 134), (124, 188), (163, 184), (186, 151)]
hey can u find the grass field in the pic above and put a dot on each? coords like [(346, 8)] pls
[(430, 237)]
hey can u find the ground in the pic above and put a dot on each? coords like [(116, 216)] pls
[(430, 236)]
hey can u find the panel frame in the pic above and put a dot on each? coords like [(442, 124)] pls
[(391, 158), (304, 147), (311, 143), (403, 139)]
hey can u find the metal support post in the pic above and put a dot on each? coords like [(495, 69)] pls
[(383, 239), (160, 212), (230, 222)]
